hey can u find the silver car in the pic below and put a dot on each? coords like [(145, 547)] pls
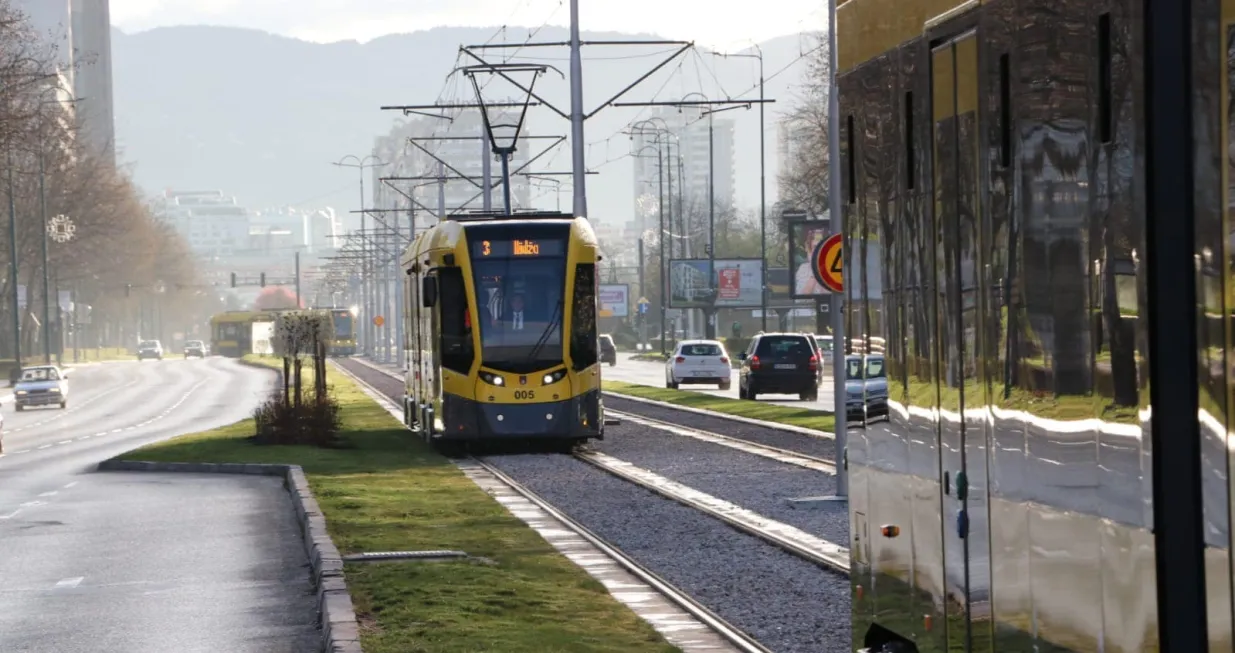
[(44, 385)]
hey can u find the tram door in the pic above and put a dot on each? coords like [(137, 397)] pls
[(962, 430)]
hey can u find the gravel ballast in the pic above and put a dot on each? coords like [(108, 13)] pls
[(788, 604), (748, 480), (805, 444)]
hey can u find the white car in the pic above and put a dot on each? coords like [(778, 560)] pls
[(698, 362), (42, 385)]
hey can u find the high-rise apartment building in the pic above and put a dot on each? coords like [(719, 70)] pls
[(92, 80), (79, 33), (698, 150)]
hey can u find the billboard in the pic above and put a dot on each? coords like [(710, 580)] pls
[(614, 299), (738, 282), (804, 237)]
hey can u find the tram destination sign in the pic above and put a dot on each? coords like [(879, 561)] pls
[(518, 248)]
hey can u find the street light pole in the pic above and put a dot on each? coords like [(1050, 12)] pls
[(763, 189), (46, 294), (13, 267)]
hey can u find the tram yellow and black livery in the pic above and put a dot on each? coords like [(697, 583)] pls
[(231, 333), (501, 329), (344, 341)]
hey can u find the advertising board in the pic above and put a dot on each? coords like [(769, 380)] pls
[(614, 299), (738, 283)]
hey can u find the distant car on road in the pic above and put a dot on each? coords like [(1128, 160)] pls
[(699, 362), (195, 348), (150, 349), (608, 352), (44, 385), (866, 391)]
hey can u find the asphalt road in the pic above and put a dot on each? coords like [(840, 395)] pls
[(653, 374), (99, 562)]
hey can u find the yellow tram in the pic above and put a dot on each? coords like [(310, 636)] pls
[(501, 329)]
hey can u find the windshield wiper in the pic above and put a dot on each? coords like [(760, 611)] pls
[(554, 321)]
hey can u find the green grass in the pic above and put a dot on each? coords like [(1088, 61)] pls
[(389, 492), (811, 419)]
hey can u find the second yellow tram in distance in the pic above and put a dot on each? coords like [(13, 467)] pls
[(501, 329)]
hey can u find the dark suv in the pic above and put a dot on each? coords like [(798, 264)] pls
[(779, 363), (608, 352)]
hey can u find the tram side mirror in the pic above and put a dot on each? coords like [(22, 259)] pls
[(428, 291)]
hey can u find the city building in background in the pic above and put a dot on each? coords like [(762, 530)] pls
[(79, 35), (92, 79), (228, 238)]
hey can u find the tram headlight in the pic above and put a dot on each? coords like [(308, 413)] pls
[(553, 377), (492, 379)]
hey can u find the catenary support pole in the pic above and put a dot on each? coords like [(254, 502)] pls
[(709, 315), (838, 224), (297, 279), (660, 239), (835, 303), (763, 207), (576, 114), (486, 170)]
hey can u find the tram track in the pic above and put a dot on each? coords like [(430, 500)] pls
[(818, 551), (731, 634)]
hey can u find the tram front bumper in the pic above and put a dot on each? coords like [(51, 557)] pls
[(576, 418)]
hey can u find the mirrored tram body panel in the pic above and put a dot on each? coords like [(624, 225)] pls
[(994, 165)]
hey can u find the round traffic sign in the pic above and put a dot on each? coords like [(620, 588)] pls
[(379, 320), (829, 264)]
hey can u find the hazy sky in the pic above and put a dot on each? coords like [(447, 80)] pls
[(720, 24)]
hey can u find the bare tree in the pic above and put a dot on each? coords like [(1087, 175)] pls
[(804, 186)]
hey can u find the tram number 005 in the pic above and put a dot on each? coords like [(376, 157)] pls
[(525, 394)]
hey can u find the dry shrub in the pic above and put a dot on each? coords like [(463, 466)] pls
[(316, 422)]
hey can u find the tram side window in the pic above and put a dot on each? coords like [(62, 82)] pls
[(457, 350), (583, 345)]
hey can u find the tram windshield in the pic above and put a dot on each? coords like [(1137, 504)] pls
[(342, 324), (521, 310)]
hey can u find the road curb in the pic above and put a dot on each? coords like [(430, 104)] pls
[(787, 428), (336, 614)]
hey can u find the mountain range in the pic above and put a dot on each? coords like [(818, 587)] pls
[(263, 116)]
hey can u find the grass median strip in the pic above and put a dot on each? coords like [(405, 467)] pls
[(389, 492), (811, 419)]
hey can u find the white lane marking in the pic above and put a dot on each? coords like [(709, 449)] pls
[(165, 413), (31, 504), (51, 493), (22, 451), (70, 485), (69, 583)]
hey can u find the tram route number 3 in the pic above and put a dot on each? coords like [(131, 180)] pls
[(525, 394)]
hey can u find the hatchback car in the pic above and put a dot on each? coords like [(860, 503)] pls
[(608, 352), (699, 362), (195, 348), (150, 349), (866, 391), (779, 363), (44, 385)]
